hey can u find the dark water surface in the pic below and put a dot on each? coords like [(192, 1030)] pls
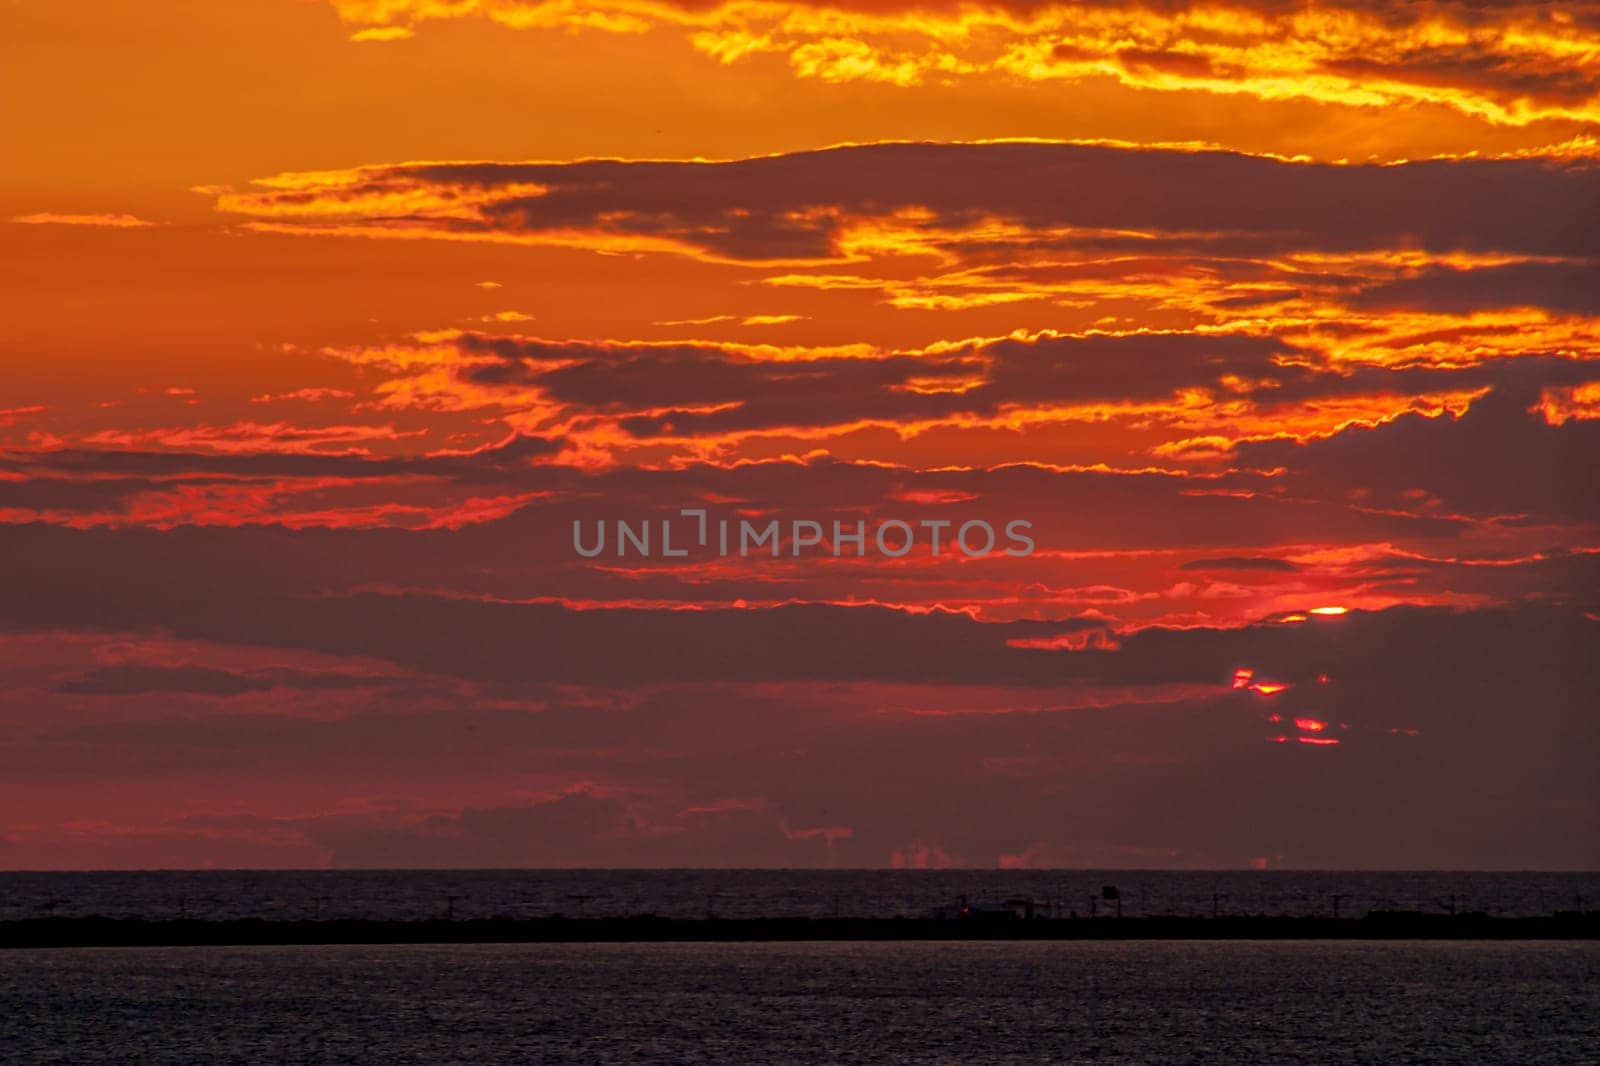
[(966, 1003), (408, 894)]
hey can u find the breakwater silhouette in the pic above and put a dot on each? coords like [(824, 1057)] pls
[(1378, 925)]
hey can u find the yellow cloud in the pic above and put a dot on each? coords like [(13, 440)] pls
[(1510, 64), (114, 221)]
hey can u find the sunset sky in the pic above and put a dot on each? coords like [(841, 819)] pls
[(322, 321)]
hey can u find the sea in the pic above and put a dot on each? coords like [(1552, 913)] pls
[(967, 1003), (955, 1002)]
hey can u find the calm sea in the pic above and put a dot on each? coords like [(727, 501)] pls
[(405, 894), (958, 1003)]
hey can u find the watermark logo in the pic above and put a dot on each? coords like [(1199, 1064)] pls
[(891, 538)]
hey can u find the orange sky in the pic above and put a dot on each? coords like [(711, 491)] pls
[(347, 310)]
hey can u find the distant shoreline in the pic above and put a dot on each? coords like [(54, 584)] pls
[(1392, 925)]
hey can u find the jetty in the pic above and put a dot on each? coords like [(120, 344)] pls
[(83, 932)]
